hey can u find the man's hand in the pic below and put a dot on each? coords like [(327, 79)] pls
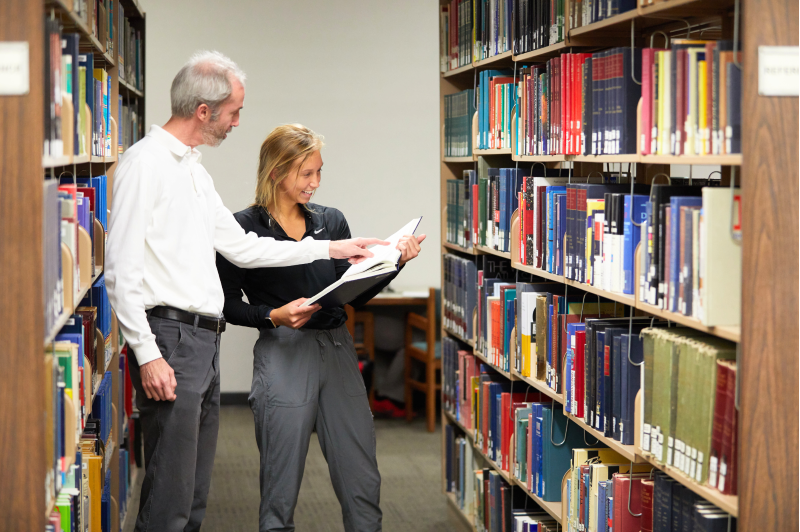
[(354, 249), (409, 247), (292, 314), (158, 380)]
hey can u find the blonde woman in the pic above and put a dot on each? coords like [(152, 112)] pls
[(305, 370)]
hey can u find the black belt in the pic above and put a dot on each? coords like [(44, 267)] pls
[(212, 324)]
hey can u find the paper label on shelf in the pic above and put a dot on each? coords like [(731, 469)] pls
[(778, 71), (14, 68)]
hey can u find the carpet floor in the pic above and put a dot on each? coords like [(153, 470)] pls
[(409, 459)]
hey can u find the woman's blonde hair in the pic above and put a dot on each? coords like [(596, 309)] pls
[(284, 145)]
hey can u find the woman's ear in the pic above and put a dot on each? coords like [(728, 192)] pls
[(272, 174)]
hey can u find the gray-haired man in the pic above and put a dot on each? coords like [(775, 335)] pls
[(167, 221)]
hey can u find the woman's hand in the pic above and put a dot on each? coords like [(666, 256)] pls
[(292, 314), (409, 247)]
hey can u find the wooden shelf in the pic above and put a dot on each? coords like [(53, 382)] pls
[(72, 21), (132, 9), (621, 158), (606, 27), (626, 451), (541, 54), (486, 361), (540, 158), (492, 251), (684, 8), (456, 247), (537, 271), (130, 88), (505, 57), (728, 503), (613, 296), (459, 337), (552, 508), (451, 500), (539, 385), (732, 333), (469, 159), (67, 313), (460, 71), (499, 151), (721, 160)]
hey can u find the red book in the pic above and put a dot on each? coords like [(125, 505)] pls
[(580, 211), (507, 402), (720, 405), (624, 521), (577, 375), (709, 95), (647, 506), (475, 215), (521, 218), (540, 221), (567, 91), (497, 331), (726, 482), (562, 108)]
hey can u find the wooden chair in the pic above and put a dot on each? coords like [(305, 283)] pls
[(366, 345), (429, 352)]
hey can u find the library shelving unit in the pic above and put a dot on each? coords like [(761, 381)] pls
[(767, 171), (25, 505)]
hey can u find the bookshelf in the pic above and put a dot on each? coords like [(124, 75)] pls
[(22, 171), (767, 166)]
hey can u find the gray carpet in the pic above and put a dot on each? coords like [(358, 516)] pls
[(409, 459)]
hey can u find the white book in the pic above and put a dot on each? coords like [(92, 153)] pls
[(362, 276), (720, 259)]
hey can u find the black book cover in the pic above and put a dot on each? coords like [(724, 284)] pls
[(733, 136), (631, 94), (586, 108)]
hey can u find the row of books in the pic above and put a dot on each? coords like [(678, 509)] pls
[(691, 99), (579, 104), (538, 23), (590, 233), (607, 496), (458, 111), (690, 413), (585, 12), (77, 120), (529, 439), (80, 418), (130, 126), (459, 294), (456, 33), (129, 58), (69, 204)]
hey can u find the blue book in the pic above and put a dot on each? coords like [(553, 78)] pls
[(509, 326), (514, 186), (601, 505), (610, 514), (675, 204), (551, 213), (562, 230), (539, 478), (448, 457), (556, 459), (568, 383), (631, 383), (646, 252), (685, 302), (632, 237), (549, 345), (587, 483)]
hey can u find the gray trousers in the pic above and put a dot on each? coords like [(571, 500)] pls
[(304, 379), (180, 437)]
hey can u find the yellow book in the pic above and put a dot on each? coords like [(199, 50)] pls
[(476, 411), (665, 101), (592, 205), (701, 105), (96, 487)]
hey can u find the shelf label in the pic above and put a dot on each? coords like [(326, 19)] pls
[(778, 70), (14, 68)]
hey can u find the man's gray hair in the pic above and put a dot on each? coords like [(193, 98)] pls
[(204, 79)]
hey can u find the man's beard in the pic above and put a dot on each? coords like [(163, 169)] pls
[(213, 134)]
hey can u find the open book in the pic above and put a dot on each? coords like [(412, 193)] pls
[(361, 277)]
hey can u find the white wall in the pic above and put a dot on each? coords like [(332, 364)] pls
[(360, 72)]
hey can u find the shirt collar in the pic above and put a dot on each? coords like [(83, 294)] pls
[(177, 147)]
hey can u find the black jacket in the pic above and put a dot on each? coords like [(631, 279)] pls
[(269, 288)]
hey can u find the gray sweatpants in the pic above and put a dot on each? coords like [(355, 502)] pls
[(180, 437), (303, 379)]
